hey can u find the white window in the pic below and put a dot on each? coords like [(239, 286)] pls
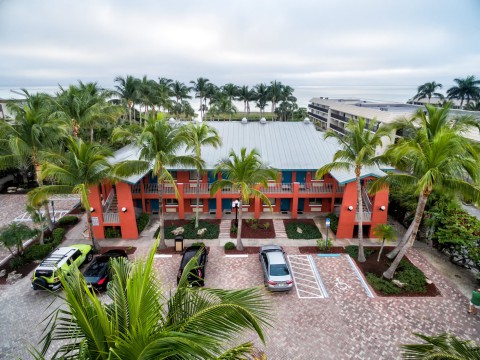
[(193, 202), (171, 202), (316, 202), (272, 202), (192, 175)]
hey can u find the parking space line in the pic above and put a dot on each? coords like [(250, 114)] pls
[(317, 274), (304, 273), (360, 277)]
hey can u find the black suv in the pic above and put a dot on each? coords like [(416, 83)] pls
[(197, 275)]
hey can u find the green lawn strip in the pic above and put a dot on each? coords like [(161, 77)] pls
[(309, 231)]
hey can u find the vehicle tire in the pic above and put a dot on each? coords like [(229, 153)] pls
[(39, 284), (89, 257)]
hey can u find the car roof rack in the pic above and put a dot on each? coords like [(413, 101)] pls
[(54, 259)]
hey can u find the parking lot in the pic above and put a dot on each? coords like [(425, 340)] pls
[(342, 323)]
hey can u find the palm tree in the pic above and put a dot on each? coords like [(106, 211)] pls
[(274, 95), (245, 95), (200, 87), (427, 90), (442, 347), (141, 321), (198, 136), (33, 129), (158, 144), (231, 91), (148, 94), (180, 91), (243, 173), (164, 92), (387, 233), (261, 95), (85, 105), (127, 90), (357, 151), (432, 155), (473, 106), (81, 166), (467, 88)]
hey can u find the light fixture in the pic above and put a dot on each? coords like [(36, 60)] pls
[(382, 208), (235, 204), (350, 208), (124, 209), (92, 209)]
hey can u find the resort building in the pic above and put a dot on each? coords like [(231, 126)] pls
[(296, 149)]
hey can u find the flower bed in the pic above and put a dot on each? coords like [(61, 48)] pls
[(307, 227), (254, 229), (212, 226)]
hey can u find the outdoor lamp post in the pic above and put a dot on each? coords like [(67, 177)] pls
[(327, 223), (235, 204), (53, 211)]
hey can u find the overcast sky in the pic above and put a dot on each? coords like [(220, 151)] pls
[(351, 42)]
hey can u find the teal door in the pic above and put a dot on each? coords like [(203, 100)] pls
[(286, 176), (154, 206), (211, 178), (226, 204), (301, 203), (285, 204), (301, 176), (212, 204)]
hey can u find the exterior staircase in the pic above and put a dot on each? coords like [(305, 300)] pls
[(113, 208)]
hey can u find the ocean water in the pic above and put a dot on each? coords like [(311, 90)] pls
[(391, 93)]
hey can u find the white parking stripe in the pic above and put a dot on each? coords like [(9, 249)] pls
[(305, 276)]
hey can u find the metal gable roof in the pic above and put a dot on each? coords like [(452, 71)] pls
[(282, 145)]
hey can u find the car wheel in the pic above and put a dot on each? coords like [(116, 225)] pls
[(89, 257), (39, 284)]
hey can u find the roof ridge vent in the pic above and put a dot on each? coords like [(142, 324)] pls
[(263, 120), (171, 121), (244, 120), (306, 121)]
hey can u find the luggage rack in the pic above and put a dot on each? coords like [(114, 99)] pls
[(53, 260)]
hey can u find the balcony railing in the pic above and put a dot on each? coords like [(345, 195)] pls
[(111, 218), (191, 188), (367, 216), (277, 188), (315, 188)]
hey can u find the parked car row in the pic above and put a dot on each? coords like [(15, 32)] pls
[(277, 275)]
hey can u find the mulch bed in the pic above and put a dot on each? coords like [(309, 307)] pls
[(249, 232), (182, 222), (303, 221), (378, 268), (314, 250), (24, 270), (246, 250), (128, 249)]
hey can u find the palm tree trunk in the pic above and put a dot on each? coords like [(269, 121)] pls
[(129, 104), (47, 216), (417, 220), (361, 253), (90, 228), (161, 244), (91, 134), (42, 229), (197, 211), (381, 249), (239, 228), (401, 243)]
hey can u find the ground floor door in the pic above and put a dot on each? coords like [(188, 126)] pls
[(301, 204), (212, 204), (154, 208), (366, 231), (227, 204), (285, 204)]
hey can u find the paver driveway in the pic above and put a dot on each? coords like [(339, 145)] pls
[(346, 325)]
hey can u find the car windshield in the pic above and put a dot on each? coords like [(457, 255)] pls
[(187, 257), (279, 270)]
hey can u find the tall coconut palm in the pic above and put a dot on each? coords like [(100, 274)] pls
[(164, 93), (427, 90), (181, 92), (231, 91), (127, 90), (243, 172), (198, 136), (148, 94), (357, 151), (246, 95), (441, 347), (200, 87), (387, 233), (275, 94), (32, 130), (159, 145), (468, 88), (261, 95), (75, 171), (433, 155), (142, 321), (84, 106)]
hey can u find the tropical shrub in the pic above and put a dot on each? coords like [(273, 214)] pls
[(142, 222), (37, 252), (229, 246), (324, 245), (212, 232), (352, 250), (333, 222), (67, 221), (112, 232), (57, 236), (382, 285), (17, 262), (13, 236), (309, 231), (413, 278)]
